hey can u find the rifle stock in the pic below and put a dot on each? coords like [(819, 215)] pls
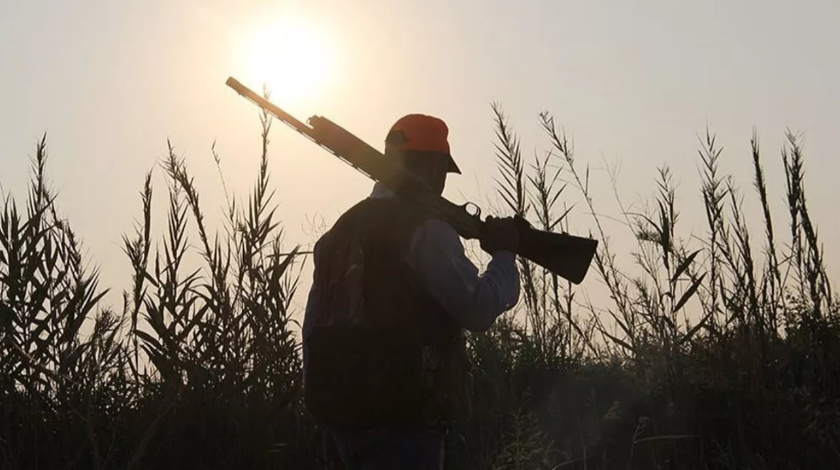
[(565, 255)]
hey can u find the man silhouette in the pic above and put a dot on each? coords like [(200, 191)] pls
[(385, 360)]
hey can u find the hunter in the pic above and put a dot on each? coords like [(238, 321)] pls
[(385, 361)]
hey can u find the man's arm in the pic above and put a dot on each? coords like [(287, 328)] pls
[(474, 300)]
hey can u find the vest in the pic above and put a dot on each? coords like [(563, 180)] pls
[(382, 353)]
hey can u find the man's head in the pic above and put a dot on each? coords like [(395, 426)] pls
[(421, 143)]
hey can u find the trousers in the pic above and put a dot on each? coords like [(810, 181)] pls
[(412, 449)]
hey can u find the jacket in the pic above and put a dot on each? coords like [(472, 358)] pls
[(392, 294)]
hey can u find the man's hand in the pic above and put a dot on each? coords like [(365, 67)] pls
[(499, 234)]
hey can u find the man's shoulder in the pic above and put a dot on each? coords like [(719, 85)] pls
[(437, 226), (339, 222), (385, 215), (434, 232), (349, 213)]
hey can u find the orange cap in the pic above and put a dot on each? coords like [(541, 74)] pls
[(420, 132)]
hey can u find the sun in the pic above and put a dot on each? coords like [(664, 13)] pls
[(291, 57)]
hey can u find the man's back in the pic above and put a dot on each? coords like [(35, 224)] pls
[(379, 350), (389, 282), (436, 258)]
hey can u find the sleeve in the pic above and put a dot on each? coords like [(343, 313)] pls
[(474, 300)]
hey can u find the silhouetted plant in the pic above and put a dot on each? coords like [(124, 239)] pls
[(710, 351)]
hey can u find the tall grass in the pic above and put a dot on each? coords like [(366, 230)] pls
[(717, 351), (200, 369), (634, 381)]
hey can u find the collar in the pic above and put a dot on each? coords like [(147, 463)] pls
[(380, 191)]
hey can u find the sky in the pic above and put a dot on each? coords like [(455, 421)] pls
[(634, 84)]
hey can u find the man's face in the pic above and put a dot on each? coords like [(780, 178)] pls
[(438, 169), (432, 168)]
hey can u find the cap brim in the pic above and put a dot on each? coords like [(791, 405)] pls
[(453, 167)]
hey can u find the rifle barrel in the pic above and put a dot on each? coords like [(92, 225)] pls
[(290, 120)]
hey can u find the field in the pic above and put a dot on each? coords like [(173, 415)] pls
[(202, 368)]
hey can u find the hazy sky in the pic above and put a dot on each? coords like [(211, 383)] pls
[(632, 82)]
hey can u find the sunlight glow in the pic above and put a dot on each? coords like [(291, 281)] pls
[(291, 58)]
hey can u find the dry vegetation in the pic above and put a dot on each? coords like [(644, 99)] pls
[(201, 368)]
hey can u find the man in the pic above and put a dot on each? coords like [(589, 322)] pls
[(385, 360)]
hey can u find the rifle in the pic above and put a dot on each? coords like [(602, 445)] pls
[(565, 255)]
